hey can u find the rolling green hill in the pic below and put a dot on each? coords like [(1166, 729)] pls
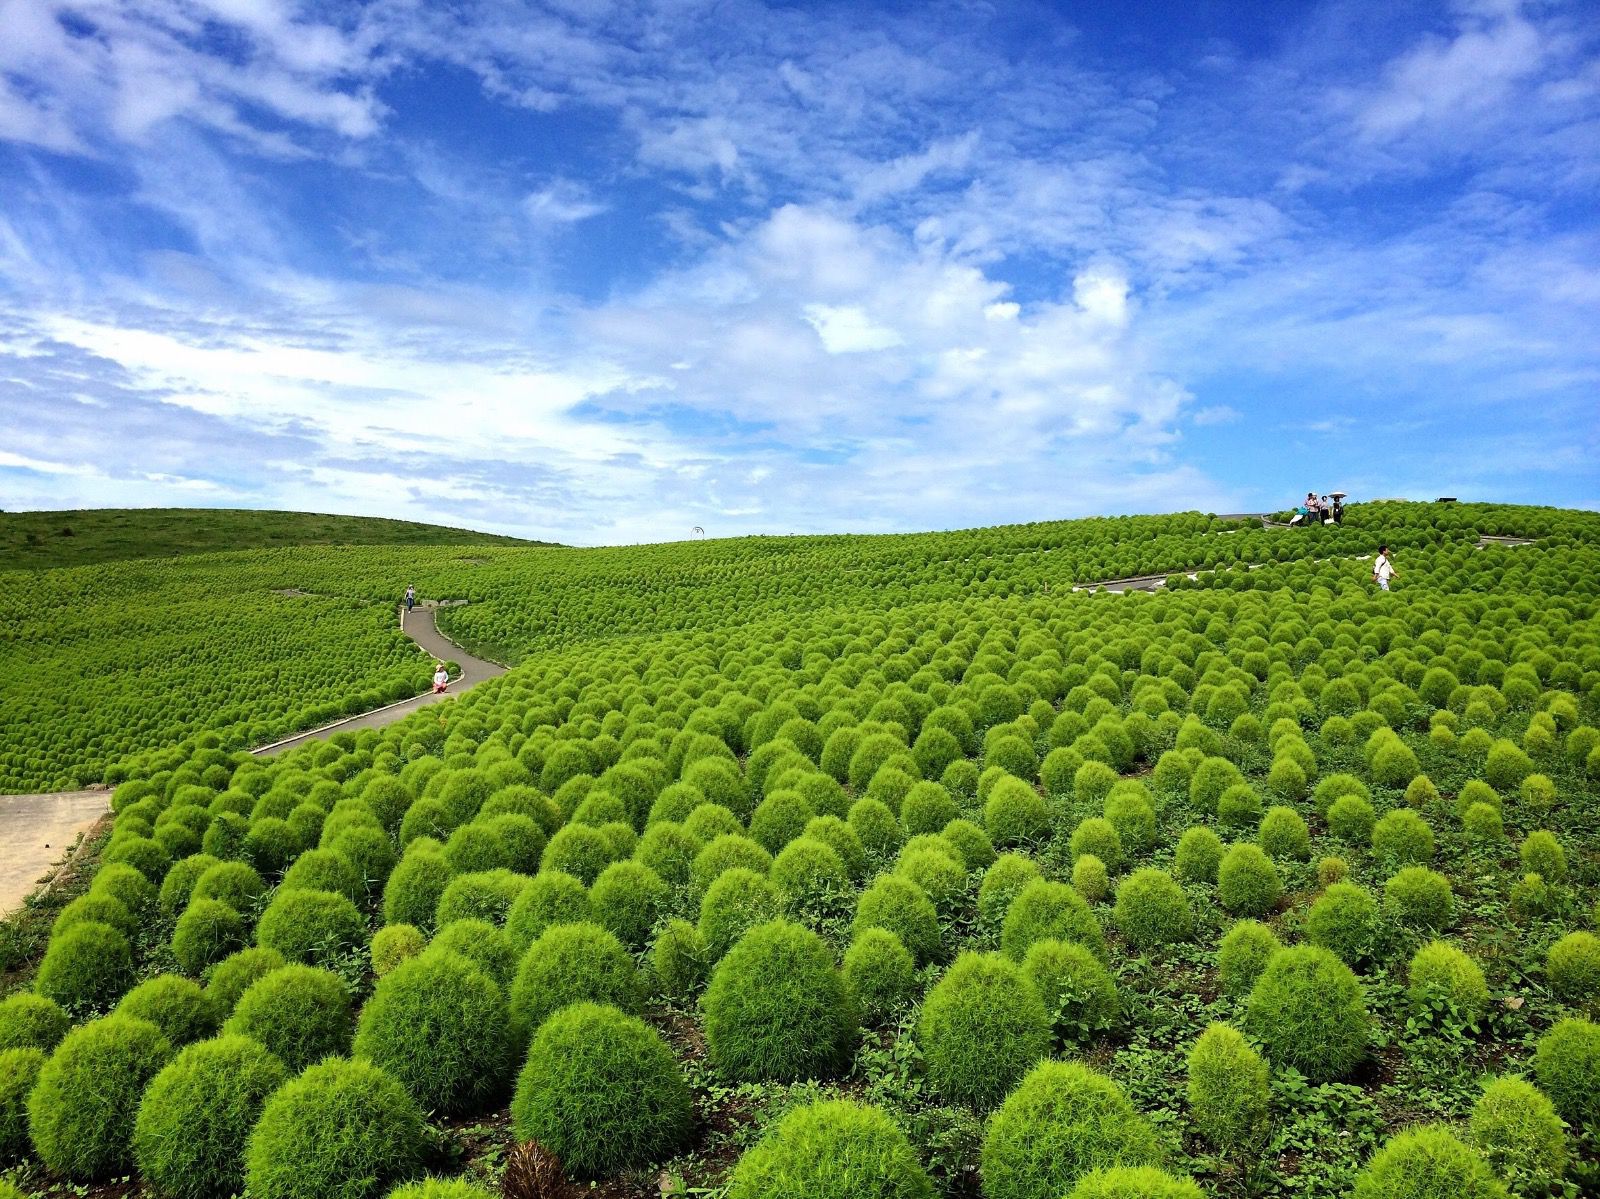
[(83, 537)]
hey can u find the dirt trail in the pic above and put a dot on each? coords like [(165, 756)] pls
[(36, 831)]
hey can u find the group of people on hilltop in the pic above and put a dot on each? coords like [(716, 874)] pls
[(1316, 509)]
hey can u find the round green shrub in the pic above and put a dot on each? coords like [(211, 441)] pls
[(19, 1072), (1015, 814), (627, 898), (776, 1009), (126, 884), (1243, 954), (579, 850), (1420, 898), (439, 1024), (1063, 1121), (440, 1188), (972, 844), (1077, 991), (96, 909), (680, 959), (808, 875), (85, 968), (146, 856), (1344, 919), (315, 927), (779, 819), (1131, 813), (230, 977), (1045, 910), (208, 931), (735, 903), (1542, 854), (1393, 763), (234, 883), (1134, 1182), (551, 897), (1199, 855), (1152, 910), (1442, 975), (29, 1021), (1228, 1088), (1351, 819), (724, 853), (982, 1027), (874, 822), (1566, 1062), (1238, 807), (601, 1090), (1427, 1163), (879, 972), (411, 896), (393, 944), (300, 1013), (485, 895), (833, 1149), (570, 963), (927, 808), (1098, 836), (1483, 824), (1310, 1012), (1003, 879), (1573, 967), (1284, 834), (177, 1006), (323, 870), (1090, 878), (194, 1121), (933, 865), (1402, 838), (180, 882), (1247, 882), (1515, 1126), (902, 907), (81, 1110), (482, 944), (341, 1130), (270, 844)]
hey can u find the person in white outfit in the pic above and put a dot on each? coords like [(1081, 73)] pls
[(1383, 570), (441, 678)]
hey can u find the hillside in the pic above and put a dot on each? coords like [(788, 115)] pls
[(85, 536)]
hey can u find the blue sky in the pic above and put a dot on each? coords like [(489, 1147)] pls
[(603, 272)]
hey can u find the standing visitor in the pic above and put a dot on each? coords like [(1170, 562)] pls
[(1383, 570), (411, 597)]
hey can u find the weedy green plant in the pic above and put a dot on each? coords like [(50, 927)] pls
[(1077, 991), (601, 1090)]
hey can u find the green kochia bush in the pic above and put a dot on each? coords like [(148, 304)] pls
[(777, 1009), (1046, 910), (1573, 967), (393, 944), (177, 1006), (551, 897), (1443, 975), (601, 1090), (1076, 989), (1310, 1012), (195, 1118), (879, 972), (983, 1025), (903, 908), (1427, 1163), (230, 977), (208, 931), (680, 959), (834, 1149), (440, 1025), (29, 1021), (85, 967), (1516, 1128), (1152, 909), (627, 898), (570, 963), (1063, 1120), (481, 943), (311, 926), (300, 1013), (1134, 1182), (1002, 880), (1344, 919), (1247, 882), (1199, 855), (1228, 1088), (411, 896), (1566, 1062), (1420, 898), (341, 1130), (19, 1070), (81, 1111)]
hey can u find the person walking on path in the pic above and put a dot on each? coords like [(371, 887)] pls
[(441, 678), (1382, 569), (411, 597)]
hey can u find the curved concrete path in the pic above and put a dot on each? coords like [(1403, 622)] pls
[(38, 831)]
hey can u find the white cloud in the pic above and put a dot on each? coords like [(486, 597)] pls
[(563, 202), (848, 329), (1216, 414)]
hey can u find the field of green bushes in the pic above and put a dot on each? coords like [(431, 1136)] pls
[(893, 866)]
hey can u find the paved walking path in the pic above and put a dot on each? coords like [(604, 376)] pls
[(37, 831)]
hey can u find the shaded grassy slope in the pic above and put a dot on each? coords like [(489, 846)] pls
[(82, 537)]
